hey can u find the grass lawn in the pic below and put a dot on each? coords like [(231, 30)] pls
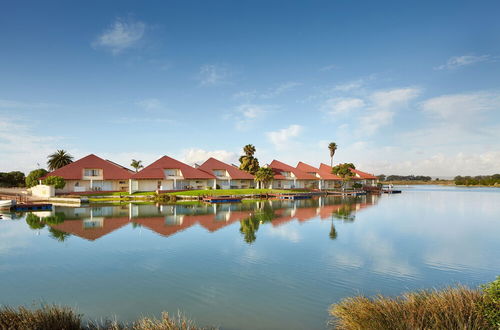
[(219, 192)]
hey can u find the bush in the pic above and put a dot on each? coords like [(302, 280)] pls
[(357, 185), (451, 308), (491, 302), (34, 176), (47, 317), (12, 179), (55, 181)]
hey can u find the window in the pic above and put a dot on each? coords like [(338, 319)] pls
[(172, 172), (91, 172), (122, 182), (219, 172)]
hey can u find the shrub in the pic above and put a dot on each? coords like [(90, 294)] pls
[(357, 185), (46, 317), (491, 302), (451, 308), (55, 181), (32, 178)]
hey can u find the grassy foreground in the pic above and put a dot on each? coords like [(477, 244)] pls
[(55, 317), (451, 308)]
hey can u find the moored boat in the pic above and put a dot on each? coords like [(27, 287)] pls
[(7, 204)]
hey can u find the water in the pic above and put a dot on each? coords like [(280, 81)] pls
[(255, 265)]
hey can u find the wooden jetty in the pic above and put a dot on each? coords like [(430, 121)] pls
[(348, 193), (293, 196), (391, 191)]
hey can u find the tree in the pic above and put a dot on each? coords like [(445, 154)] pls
[(59, 159), (34, 176), (55, 181), (12, 179), (332, 147), (34, 222), (248, 162), (137, 165), (333, 232), (344, 172), (264, 175), (58, 235)]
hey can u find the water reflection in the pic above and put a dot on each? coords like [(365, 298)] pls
[(96, 221)]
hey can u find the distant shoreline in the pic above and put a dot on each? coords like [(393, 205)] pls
[(432, 183)]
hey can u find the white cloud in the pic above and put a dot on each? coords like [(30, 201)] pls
[(465, 109), (339, 105), (246, 115), (198, 156), (328, 67), (285, 87), (281, 138), (349, 86), (464, 60), (121, 35), (151, 105), (210, 75)]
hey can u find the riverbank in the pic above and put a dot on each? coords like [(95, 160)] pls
[(450, 308), (57, 317)]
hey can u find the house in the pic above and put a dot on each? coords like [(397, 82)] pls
[(92, 173), (326, 179), (170, 174), (288, 177), (363, 178), (227, 176)]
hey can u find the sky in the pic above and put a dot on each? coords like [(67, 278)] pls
[(402, 87)]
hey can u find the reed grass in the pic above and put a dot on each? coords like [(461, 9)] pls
[(56, 317), (450, 308)]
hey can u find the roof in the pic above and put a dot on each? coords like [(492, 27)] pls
[(235, 173), (365, 175), (156, 170), (74, 171), (279, 167), (324, 173)]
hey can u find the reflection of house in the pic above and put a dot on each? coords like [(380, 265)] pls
[(91, 228), (169, 174), (92, 173), (228, 176), (288, 177), (326, 180)]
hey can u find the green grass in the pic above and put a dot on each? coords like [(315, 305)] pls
[(121, 193), (219, 192)]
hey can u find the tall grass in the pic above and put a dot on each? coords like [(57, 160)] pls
[(451, 308), (55, 317)]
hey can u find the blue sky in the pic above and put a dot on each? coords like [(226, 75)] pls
[(403, 87)]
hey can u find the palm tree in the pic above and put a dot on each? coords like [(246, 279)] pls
[(264, 175), (137, 164), (249, 150), (59, 159), (333, 147)]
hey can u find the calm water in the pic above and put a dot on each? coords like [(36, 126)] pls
[(265, 265)]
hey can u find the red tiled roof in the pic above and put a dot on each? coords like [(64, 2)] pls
[(279, 167), (156, 170), (365, 175), (235, 173), (158, 225), (328, 169), (324, 173), (74, 171)]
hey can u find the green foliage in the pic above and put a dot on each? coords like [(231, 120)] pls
[(405, 178), (59, 159), (55, 181), (55, 219), (34, 222), (264, 175), (344, 172), (345, 213), (137, 165), (333, 232), (58, 235), (490, 305), (248, 162), (32, 178), (357, 185), (12, 179), (483, 180), (249, 226)]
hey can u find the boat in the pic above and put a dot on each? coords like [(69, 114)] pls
[(223, 199), (7, 204), (293, 196)]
